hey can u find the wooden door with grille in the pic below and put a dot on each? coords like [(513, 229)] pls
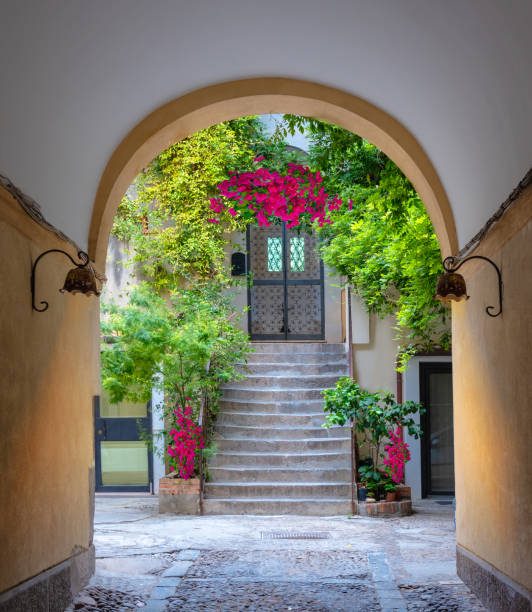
[(286, 299)]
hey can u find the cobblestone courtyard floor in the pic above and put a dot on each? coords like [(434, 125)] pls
[(228, 563)]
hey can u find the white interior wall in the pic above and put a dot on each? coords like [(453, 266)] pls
[(74, 68)]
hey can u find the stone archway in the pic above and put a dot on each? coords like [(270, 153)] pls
[(195, 111)]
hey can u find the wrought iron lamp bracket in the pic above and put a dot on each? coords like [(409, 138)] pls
[(84, 262), (453, 264)]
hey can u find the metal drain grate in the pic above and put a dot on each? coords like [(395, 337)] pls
[(294, 535)]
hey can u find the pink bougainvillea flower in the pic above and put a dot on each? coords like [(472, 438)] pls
[(259, 159), (398, 454), (187, 439), (213, 220), (296, 198)]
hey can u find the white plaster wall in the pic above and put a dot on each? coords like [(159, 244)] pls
[(333, 307), (236, 242), (411, 392), (374, 359), (157, 423)]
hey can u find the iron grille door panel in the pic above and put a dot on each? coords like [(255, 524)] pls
[(286, 300)]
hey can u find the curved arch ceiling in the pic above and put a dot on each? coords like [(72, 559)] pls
[(78, 76)]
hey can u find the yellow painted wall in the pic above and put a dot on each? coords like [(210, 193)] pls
[(48, 376), (492, 366)]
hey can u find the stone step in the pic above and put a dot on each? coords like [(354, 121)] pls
[(284, 446), (280, 382), (299, 358), (282, 490), (245, 432), (302, 459), (267, 507), (251, 394), (280, 407), (299, 347), (269, 368), (278, 474), (267, 419)]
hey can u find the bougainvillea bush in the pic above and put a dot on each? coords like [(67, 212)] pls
[(186, 440), (374, 417), (397, 454), (265, 196)]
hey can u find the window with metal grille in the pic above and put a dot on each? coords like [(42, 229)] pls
[(297, 254), (275, 255)]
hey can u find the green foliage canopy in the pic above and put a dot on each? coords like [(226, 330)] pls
[(385, 246), (155, 341)]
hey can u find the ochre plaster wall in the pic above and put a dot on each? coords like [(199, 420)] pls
[(48, 375), (492, 360)]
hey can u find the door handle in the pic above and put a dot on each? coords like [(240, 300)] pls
[(102, 431)]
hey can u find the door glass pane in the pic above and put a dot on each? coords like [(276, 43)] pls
[(304, 256), (297, 254), (122, 409), (124, 463), (441, 432), (275, 254)]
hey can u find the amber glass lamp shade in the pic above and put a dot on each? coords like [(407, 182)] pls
[(80, 280), (451, 287)]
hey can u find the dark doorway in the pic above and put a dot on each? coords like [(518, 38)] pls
[(437, 443), (123, 461), (286, 300)]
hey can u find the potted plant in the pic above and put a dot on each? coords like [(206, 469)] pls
[(391, 491), (374, 417)]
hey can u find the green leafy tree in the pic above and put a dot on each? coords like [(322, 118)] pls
[(385, 245), (372, 416), (168, 342)]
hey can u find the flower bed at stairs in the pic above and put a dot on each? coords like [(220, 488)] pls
[(179, 496)]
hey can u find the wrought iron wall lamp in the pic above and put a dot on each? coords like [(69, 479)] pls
[(80, 279), (452, 287)]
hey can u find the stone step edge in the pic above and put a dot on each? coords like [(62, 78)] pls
[(277, 364), (282, 440), (244, 500), (287, 455), (259, 402), (281, 389), (269, 414), (276, 468), (281, 428), (232, 483)]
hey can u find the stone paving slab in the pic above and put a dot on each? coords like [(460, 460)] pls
[(162, 592), (189, 554), (179, 568)]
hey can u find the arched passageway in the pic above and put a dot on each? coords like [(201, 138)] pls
[(60, 355), (193, 112)]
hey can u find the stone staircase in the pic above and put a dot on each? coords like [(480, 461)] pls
[(274, 456)]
